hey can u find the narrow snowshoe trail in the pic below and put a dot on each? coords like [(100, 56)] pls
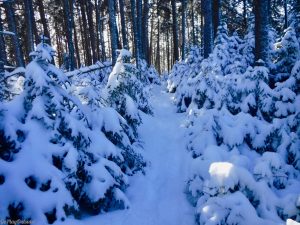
[(157, 198)]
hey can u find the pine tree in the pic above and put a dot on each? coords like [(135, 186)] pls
[(9, 9), (175, 30), (125, 91), (261, 30), (77, 174), (113, 30), (206, 7), (123, 24), (287, 53)]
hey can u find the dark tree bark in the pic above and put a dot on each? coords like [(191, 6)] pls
[(139, 7), (101, 37), (68, 10), (89, 8), (135, 32), (151, 40), (123, 24), (285, 14), (261, 29), (183, 2), (113, 30), (175, 30), (193, 24), (3, 56), (216, 16), (34, 26), (85, 33), (145, 31), (29, 25), (206, 6), (43, 19), (13, 28), (296, 17), (168, 50), (245, 14), (97, 11), (157, 63), (76, 46)]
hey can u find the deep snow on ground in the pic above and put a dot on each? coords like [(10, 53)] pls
[(156, 198)]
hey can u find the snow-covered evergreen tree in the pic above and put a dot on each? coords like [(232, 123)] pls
[(287, 53), (244, 138), (125, 90), (71, 168)]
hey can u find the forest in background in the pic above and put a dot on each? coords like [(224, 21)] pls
[(86, 31), (162, 112)]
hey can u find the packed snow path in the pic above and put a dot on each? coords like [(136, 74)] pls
[(158, 197)]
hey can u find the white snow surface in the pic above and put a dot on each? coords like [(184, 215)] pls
[(158, 197)]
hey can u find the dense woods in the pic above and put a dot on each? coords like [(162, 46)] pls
[(86, 31), (168, 112)]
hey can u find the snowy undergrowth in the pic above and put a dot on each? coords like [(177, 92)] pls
[(59, 156), (243, 131), (156, 198)]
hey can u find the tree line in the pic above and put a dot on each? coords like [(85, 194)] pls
[(157, 31)]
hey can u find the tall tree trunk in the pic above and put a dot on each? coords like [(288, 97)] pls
[(206, 6), (57, 36), (13, 28), (168, 50), (113, 30), (119, 42), (296, 19), (3, 56), (157, 63), (68, 9), (245, 14), (139, 9), (135, 32), (101, 37), (43, 19), (285, 14), (89, 8), (85, 33), (183, 2), (151, 40), (123, 24), (81, 34), (175, 30), (76, 46), (193, 24), (29, 25), (216, 16), (261, 29), (97, 11), (145, 31), (34, 26)]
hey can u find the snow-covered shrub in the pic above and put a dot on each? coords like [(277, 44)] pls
[(126, 92), (11, 84), (181, 78), (85, 79), (152, 75), (243, 133), (148, 73), (53, 162), (230, 195), (111, 123), (181, 71), (196, 84), (287, 52)]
